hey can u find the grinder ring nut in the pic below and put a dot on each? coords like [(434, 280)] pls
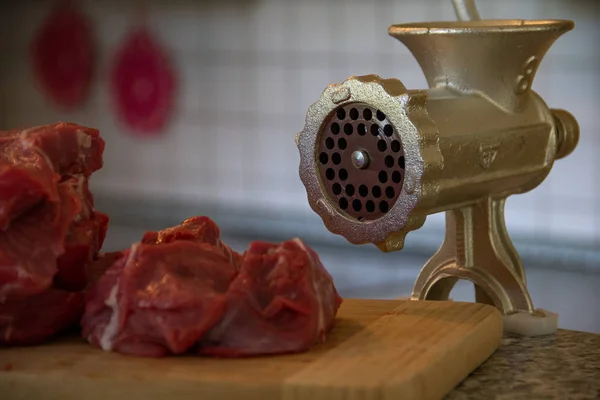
[(360, 161), (362, 173)]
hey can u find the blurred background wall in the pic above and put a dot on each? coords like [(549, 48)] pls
[(248, 70)]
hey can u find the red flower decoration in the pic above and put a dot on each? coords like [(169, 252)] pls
[(143, 83), (63, 56)]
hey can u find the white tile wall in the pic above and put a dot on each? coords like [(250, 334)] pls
[(248, 70)]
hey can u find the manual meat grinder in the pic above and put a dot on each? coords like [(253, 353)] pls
[(377, 158)]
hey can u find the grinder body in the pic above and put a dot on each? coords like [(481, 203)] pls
[(484, 149)]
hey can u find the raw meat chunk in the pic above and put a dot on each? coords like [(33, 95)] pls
[(24, 272), (282, 301), (192, 269), (36, 318), (158, 299), (32, 161), (80, 186), (103, 262), (183, 289), (49, 230), (82, 244), (84, 238), (70, 149), (24, 182), (195, 229)]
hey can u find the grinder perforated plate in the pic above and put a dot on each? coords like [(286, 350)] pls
[(360, 161), (357, 140)]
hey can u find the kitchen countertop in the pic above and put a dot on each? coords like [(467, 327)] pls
[(564, 366)]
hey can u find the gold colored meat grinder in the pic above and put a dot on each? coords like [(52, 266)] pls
[(377, 158)]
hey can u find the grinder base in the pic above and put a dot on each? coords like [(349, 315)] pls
[(477, 248)]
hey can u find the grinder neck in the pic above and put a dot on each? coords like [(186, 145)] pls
[(496, 59)]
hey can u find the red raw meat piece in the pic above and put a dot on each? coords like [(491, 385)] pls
[(283, 300), (63, 53), (34, 319), (83, 242), (103, 262), (24, 272), (103, 221), (143, 83), (84, 239), (80, 186), (158, 300), (71, 149), (195, 229), (32, 161), (24, 183), (49, 230), (179, 290)]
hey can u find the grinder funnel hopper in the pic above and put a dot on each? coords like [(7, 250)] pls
[(496, 59)]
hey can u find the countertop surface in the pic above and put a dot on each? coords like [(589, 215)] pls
[(562, 366)]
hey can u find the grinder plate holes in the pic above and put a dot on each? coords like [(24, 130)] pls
[(368, 192)]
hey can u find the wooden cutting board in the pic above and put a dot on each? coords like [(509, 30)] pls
[(379, 349)]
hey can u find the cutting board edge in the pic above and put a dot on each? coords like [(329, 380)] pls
[(487, 333), (493, 322), (492, 338)]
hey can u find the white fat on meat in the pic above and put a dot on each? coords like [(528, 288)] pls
[(26, 142), (22, 274), (281, 260), (83, 139), (86, 212), (112, 328)]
